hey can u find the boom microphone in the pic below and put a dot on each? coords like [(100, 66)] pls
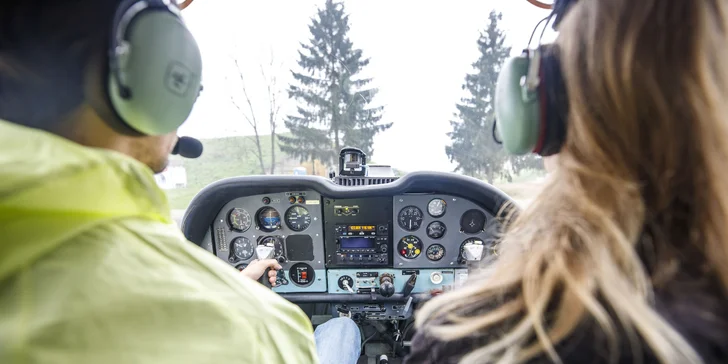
[(188, 147)]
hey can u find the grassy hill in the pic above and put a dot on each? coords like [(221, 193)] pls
[(227, 157)]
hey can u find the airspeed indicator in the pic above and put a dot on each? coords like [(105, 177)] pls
[(239, 219)]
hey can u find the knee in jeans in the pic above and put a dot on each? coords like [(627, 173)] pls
[(344, 325), (343, 322)]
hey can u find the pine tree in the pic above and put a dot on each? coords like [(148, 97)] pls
[(525, 162), (473, 147), (334, 104)]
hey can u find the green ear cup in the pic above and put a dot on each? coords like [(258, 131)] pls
[(516, 109), (162, 69)]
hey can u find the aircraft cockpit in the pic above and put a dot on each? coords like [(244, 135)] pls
[(363, 245)]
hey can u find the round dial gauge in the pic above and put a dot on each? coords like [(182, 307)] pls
[(239, 219), (302, 274), (241, 249), (298, 218), (410, 218), (436, 230), (269, 219), (472, 222), (346, 283), (409, 247), (435, 252), (437, 207), (276, 243)]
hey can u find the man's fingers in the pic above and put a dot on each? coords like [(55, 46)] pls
[(272, 281), (272, 273), (271, 263)]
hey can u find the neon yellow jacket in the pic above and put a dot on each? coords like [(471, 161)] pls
[(93, 270)]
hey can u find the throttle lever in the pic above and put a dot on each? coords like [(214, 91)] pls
[(265, 252), (409, 285)]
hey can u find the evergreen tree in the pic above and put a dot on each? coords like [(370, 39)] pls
[(525, 162), (473, 147), (334, 103)]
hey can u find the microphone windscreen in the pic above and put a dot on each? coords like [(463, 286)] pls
[(188, 147)]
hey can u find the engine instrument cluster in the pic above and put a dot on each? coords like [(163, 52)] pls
[(450, 224)]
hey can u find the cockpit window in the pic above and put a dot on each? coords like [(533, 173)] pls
[(290, 83)]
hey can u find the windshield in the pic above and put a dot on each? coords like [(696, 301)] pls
[(289, 83)]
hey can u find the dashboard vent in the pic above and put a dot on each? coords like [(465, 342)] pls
[(363, 181)]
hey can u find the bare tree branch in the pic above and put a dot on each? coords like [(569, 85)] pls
[(244, 103), (274, 94), (249, 116)]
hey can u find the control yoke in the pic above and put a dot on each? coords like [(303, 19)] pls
[(265, 252), (473, 252)]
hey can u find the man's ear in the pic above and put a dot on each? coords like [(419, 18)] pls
[(96, 93)]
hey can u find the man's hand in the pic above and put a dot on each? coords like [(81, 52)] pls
[(256, 268)]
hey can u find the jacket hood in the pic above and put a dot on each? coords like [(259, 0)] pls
[(52, 189)]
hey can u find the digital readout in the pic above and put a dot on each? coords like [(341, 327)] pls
[(362, 228)]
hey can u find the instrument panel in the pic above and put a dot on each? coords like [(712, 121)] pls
[(291, 222), (319, 240), (432, 230)]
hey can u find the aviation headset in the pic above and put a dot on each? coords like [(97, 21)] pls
[(155, 66), (531, 103)]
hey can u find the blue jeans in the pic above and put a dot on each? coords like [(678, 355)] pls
[(338, 341)]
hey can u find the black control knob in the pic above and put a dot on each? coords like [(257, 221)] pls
[(383, 248), (386, 289), (386, 285)]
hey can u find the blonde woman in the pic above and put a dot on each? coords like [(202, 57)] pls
[(623, 258)]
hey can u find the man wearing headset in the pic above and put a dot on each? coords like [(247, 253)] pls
[(92, 268)]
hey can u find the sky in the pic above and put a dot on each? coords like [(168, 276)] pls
[(420, 52)]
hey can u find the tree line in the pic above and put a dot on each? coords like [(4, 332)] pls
[(335, 108), (473, 148)]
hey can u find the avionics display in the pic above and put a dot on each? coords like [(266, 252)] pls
[(361, 239), (357, 242), (354, 246)]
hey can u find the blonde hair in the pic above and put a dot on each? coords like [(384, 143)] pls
[(639, 192)]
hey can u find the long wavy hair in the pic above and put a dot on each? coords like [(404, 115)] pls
[(639, 194)]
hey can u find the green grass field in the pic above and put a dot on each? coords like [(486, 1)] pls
[(223, 158), (228, 157)]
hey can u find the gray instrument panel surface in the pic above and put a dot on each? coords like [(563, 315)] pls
[(453, 238), (279, 201)]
